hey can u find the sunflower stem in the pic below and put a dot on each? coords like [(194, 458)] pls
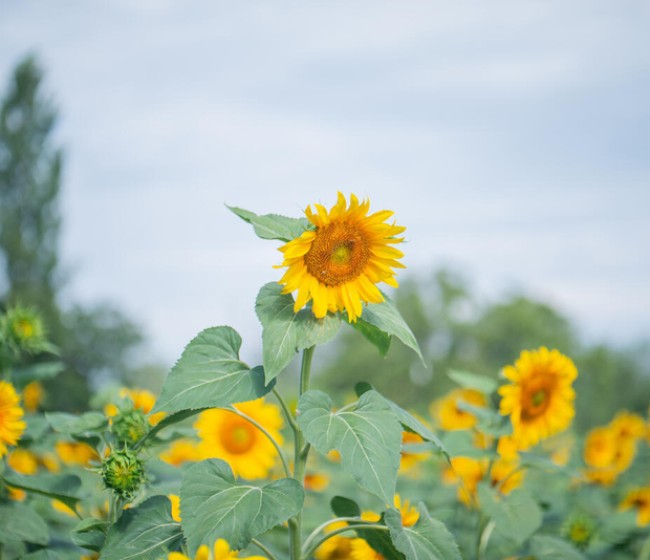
[(264, 549), (301, 452), (287, 413), (322, 527)]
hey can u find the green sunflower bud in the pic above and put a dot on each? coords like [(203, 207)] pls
[(579, 529), (129, 426), (123, 472), (23, 329)]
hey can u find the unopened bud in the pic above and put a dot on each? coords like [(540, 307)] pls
[(123, 472)]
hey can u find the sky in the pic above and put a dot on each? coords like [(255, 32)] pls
[(511, 138)]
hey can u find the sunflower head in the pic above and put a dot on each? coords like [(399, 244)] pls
[(579, 529), (639, 500), (539, 399), (129, 426), (23, 329), (123, 472), (338, 264), (12, 424)]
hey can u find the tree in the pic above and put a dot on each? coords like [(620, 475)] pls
[(94, 341)]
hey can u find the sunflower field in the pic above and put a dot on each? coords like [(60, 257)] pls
[(223, 464)]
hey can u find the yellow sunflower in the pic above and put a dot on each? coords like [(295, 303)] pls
[(337, 547), (540, 398), (234, 439), (638, 499), (361, 550), (175, 499), (180, 451), (628, 425), (75, 453), (339, 263), (448, 414), (23, 461), (33, 396), (12, 425)]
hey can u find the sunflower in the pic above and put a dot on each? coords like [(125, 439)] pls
[(339, 263), (628, 425), (540, 398), (237, 441), (75, 453), (638, 499), (448, 413), (12, 425), (180, 451), (607, 454), (336, 547), (33, 396), (361, 550), (23, 461)]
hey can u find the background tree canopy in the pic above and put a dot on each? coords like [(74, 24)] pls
[(94, 341)]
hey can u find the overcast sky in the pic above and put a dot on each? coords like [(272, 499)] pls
[(512, 139)]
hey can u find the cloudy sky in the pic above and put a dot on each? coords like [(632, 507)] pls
[(512, 139)]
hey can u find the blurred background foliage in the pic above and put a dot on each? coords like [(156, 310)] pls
[(95, 341), (99, 343)]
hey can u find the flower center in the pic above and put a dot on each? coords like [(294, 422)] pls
[(238, 438), (24, 329), (535, 401), (338, 254)]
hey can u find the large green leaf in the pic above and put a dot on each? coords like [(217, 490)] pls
[(428, 539), (284, 332), (469, 380), (387, 318), (368, 437), (210, 374), (72, 424), (273, 226), (545, 547), (64, 488), (19, 522), (145, 532), (90, 533), (516, 516), (214, 505)]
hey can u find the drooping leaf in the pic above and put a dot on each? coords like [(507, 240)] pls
[(388, 319), (72, 424), (273, 226), (144, 532), (214, 505), (469, 380), (284, 333), (20, 522), (367, 436), (516, 516), (428, 539), (210, 374), (380, 339), (64, 488), (345, 507), (545, 547), (90, 533)]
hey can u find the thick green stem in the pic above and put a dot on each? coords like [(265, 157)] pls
[(301, 452)]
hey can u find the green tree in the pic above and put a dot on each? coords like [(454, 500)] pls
[(94, 341)]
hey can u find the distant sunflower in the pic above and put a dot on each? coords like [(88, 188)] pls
[(638, 499), (449, 414), (12, 425), (338, 264), (361, 550), (234, 439), (540, 398)]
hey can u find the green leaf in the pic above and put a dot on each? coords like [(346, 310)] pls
[(380, 339), (90, 533), (284, 332), (468, 380), (145, 532), (22, 523), (516, 516), (36, 372), (214, 505), (428, 539), (345, 507), (71, 424), (368, 437), (37, 426), (388, 319), (210, 374), (551, 548), (64, 488), (273, 226)]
